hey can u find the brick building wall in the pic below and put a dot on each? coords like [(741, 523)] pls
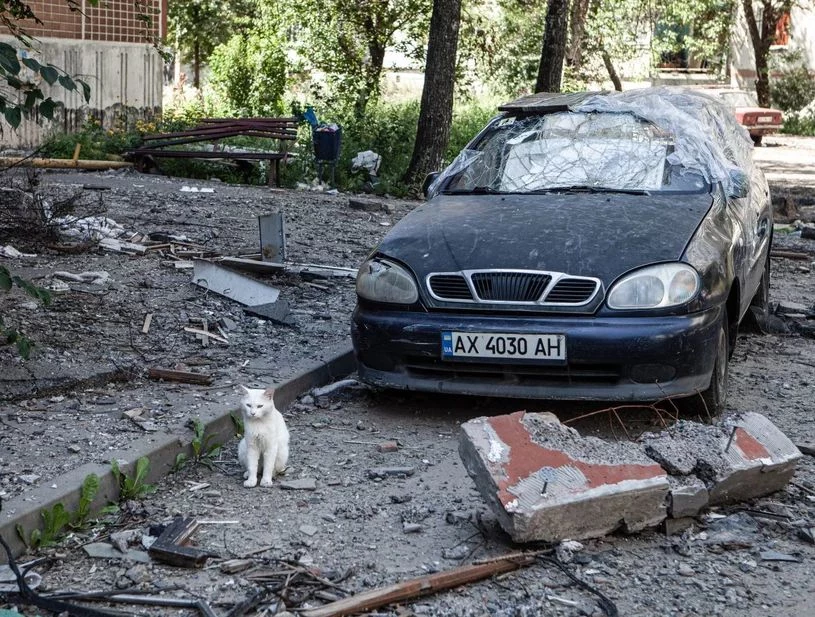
[(111, 20)]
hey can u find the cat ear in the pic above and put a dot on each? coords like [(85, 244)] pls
[(269, 393), (245, 389)]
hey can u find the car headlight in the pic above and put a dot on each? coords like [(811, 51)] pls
[(380, 280), (659, 286)]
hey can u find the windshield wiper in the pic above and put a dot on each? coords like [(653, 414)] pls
[(579, 188), (476, 190)]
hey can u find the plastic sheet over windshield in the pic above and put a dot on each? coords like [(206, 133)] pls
[(565, 150)]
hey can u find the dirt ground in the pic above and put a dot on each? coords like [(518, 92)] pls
[(350, 525)]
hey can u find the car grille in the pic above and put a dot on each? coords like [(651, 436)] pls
[(512, 287), (531, 374)]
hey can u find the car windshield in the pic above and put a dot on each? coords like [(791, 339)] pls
[(739, 99), (572, 151)]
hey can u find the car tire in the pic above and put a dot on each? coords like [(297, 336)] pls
[(758, 315), (756, 140), (712, 401)]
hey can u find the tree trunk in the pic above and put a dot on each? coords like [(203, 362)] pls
[(371, 78), (553, 51), (196, 64), (762, 39), (612, 72), (436, 111), (577, 28)]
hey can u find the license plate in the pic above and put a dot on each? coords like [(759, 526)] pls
[(497, 345), (764, 119)]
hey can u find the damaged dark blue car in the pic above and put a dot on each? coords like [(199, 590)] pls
[(590, 246)]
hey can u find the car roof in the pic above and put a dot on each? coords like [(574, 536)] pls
[(547, 102)]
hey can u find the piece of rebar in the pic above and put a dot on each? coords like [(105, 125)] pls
[(729, 441)]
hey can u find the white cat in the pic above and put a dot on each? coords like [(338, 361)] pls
[(264, 436)]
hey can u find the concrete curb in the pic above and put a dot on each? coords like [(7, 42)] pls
[(161, 449)]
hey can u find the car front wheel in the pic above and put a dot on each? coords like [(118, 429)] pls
[(712, 401)]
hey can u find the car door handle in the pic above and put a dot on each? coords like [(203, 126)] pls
[(762, 227)]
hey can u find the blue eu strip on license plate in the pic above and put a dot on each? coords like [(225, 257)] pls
[(503, 345)]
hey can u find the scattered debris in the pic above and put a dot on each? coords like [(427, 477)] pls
[(103, 550), (196, 189), (181, 376), (424, 585), (388, 472), (148, 319), (234, 286), (272, 237), (118, 246), (170, 546), (334, 387), (299, 484)]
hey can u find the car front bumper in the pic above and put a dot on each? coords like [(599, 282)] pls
[(608, 358)]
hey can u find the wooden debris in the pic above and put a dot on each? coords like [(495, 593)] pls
[(181, 376), (206, 333), (791, 254), (122, 247), (231, 566), (421, 586), (148, 319), (170, 547)]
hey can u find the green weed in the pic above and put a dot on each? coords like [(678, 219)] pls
[(132, 487), (204, 448)]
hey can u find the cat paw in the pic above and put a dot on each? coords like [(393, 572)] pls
[(266, 483), (245, 475), (250, 482)]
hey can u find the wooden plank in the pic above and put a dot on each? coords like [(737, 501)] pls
[(417, 587), (206, 333), (169, 547), (180, 376)]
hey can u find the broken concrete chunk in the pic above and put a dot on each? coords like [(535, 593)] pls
[(299, 484), (103, 550), (385, 472), (688, 496), (547, 483), (743, 458)]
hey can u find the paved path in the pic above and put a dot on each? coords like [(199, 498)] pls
[(788, 158)]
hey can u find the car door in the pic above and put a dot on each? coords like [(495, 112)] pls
[(758, 224)]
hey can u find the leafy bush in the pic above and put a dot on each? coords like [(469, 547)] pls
[(248, 72), (97, 143), (799, 124), (389, 129), (795, 88)]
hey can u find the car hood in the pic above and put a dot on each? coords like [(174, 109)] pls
[(601, 235)]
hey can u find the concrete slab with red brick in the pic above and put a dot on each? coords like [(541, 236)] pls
[(546, 483)]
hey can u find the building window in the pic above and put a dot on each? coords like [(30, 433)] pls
[(782, 30)]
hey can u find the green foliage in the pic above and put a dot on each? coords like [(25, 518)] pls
[(22, 76), (56, 520), (132, 487), (204, 448), (8, 334), (237, 423), (97, 143), (248, 72), (799, 124), (90, 487), (794, 88)]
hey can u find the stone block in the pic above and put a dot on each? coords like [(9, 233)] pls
[(547, 483), (688, 496)]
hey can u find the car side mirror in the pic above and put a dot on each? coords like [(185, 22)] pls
[(739, 183), (428, 180)]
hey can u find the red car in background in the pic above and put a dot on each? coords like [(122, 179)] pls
[(759, 121)]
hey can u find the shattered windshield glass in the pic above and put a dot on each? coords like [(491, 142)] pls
[(570, 151)]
